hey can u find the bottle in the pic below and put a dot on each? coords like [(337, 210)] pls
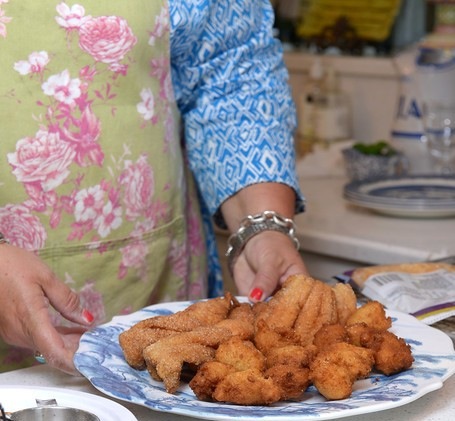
[(332, 111), (407, 134), (312, 89), (419, 80)]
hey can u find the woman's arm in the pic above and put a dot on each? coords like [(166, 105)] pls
[(265, 260), (231, 86)]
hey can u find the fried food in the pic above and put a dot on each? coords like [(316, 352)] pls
[(391, 353), (330, 334), (295, 355), (247, 387), (291, 380), (259, 354), (242, 312), (372, 314), (240, 355), (136, 339), (240, 321), (244, 382), (169, 369), (368, 327), (265, 338), (358, 333), (299, 309), (165, 358), (319, 308), (346, 302), (292, 295), (146, 332), (334, 370), (205, 381)]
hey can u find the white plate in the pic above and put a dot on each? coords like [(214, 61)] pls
[(101, 360), (423, 196), (15, 398), (405, 211)]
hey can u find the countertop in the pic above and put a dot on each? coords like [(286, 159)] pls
[(435, 406)]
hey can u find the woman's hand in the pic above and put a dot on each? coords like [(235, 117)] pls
[(27, 289), (269, 257), (267, 260)]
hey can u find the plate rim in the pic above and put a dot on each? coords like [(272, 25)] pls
[(353, 187), (404, 211), (400, 206)]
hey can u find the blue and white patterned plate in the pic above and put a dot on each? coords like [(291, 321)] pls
[(414, 195), (100, 359)]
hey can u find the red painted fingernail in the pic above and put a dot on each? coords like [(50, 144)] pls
[(88, 317), (256, 294)]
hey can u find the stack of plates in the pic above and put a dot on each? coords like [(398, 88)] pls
[(423, 196)]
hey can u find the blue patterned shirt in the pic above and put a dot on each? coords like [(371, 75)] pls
[(231, 86)]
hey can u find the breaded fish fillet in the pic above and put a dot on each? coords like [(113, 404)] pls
[(146, 332), (165, 359)]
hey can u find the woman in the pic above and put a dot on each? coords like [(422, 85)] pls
[(108, 110)]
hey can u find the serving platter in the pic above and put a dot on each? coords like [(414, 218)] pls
[(425, 196), (100, 359)]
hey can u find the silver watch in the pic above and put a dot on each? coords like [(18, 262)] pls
[(253, 225)]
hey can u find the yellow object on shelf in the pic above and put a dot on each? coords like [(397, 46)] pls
[(372, 19)]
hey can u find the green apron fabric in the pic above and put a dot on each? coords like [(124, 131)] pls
[(92, 175)]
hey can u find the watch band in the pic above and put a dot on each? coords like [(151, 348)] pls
[(253, 225)]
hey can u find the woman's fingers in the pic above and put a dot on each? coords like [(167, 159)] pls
[(265, 263)]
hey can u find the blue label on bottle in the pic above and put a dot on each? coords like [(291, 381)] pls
[(408, 108)]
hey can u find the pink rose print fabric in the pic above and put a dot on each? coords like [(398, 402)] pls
[(107, 38), (93, 177)]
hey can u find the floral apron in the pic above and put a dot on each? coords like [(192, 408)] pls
[(92, 175)]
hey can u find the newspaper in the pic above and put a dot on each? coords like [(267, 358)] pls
[(429, 296)]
